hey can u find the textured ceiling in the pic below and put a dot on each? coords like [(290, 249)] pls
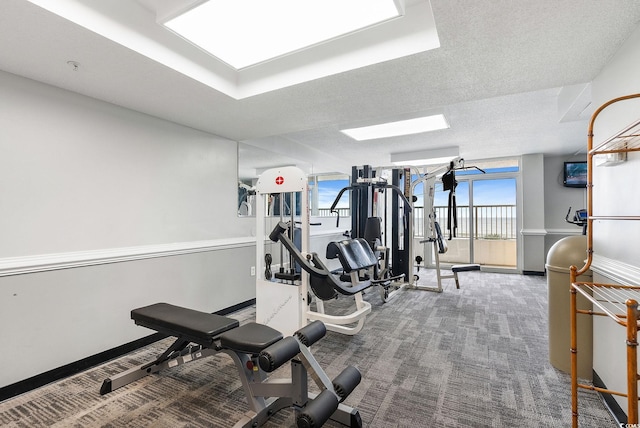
[(496, 77)]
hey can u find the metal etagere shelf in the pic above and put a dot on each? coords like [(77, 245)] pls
[(628, 140), (618, 302), (611, 299)]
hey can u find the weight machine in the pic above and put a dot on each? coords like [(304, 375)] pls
[(435, 238), (369, 221), (281, 296), (290, 272)]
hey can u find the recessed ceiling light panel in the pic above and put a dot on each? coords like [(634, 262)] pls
[(243, 33), (395, 129)]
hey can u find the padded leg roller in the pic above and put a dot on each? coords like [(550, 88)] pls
[(311, 333), (278, 354), (318, 410), (346, 382)]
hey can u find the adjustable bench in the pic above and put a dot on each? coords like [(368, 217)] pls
[(256, 350)]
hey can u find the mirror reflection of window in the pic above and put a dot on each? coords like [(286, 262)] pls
[(246, 199), (323, 189), (280, 204), (328, 188)]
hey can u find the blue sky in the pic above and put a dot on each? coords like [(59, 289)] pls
[(485, 192), (328, 190)]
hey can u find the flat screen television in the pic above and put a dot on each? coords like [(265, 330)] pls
[(575, 174)]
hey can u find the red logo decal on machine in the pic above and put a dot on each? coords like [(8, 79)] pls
[(279, 180)]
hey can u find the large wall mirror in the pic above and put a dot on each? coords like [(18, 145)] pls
[(324, 188)]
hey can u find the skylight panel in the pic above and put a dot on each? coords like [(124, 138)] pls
[(395, 129), (243, 33)]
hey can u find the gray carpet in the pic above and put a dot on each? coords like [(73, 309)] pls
[(474, 357)]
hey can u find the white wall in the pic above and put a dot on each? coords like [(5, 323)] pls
[(81, 177), (616, 249), (533, 231), (558, 199), (79, 174), (54, 318)]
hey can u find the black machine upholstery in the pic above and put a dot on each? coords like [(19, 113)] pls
[(250, 338), (198, 327), (442, 245), (354, 254), (465, 268), (327, 287), (203, 328), (357, 254), (373, 231)]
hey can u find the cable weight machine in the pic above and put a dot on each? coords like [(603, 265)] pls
[(380, 210), (435, 244)]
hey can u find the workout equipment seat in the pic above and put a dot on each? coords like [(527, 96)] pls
[(198, 327), (354, 254), (256, 349), (463, 268)]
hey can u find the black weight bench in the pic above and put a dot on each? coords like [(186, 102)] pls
[(256, 350), (463, 268)]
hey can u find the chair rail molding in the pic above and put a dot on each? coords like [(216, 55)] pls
[(47, 262)]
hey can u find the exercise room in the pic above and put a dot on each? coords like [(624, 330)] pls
[(300, 213)]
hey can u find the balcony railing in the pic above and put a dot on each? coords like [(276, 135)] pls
[(325, 212), (489, 221)]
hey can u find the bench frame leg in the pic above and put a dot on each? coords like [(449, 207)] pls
[(179, 353), (455, 276)]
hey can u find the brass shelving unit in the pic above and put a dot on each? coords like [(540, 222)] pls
[(618, 302)]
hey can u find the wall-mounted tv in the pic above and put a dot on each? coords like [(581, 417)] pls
[(575, 174)]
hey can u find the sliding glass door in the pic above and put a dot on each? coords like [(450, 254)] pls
[(455, 225), (494, 222), (485, 217)]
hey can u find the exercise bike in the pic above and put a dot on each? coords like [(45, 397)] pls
[(579, 219)]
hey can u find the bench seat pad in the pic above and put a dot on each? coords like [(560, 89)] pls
[(200, 327), (465, 268), (250, 338), (354, 254)]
